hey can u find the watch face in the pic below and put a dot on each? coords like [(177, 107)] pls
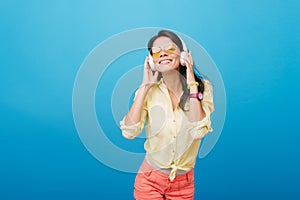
[(200, 95)]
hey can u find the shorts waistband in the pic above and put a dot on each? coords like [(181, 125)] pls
[(165, 171), (148, 167)]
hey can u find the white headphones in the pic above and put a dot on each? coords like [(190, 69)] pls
[(183, 56)]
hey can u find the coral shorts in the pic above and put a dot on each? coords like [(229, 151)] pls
[(153, 184)]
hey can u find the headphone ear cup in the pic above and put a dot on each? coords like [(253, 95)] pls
[(183, 57), (184, 53), (151, 63)]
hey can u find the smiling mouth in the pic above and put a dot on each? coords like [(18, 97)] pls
[(166, 61)]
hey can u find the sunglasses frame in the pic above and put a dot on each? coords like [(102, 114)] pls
[(168, 48)]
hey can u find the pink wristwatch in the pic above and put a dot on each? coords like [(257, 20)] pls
[(198, 96)]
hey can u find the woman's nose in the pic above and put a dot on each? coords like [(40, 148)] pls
[(163, 53)]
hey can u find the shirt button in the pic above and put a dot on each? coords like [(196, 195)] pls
[(174, 120), (174, 136)]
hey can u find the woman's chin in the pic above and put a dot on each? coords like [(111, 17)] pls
[(165, 68)]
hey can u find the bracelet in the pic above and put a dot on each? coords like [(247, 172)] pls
[(192, 83)]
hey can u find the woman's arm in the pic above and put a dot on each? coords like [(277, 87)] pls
[(196, 112), (135, 112), (149, 79)]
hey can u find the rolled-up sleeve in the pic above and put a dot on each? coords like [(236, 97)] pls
[(200, 128), (131, 131)]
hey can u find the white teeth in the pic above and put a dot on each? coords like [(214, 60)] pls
[(165, 62)]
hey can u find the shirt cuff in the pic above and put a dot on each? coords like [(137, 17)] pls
[(131, 131), (200, 128)]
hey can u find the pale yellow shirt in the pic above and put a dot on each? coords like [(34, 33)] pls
[(172, 141)]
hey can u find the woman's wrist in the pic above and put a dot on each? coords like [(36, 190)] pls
[(190, 74), (192, 86), (194, 89), (145, 86)]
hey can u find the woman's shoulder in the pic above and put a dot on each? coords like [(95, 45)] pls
[(207, 85)]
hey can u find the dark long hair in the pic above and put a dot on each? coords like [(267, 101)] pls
[(182, 69)]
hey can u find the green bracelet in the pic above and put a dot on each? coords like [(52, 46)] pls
[(192, 83)]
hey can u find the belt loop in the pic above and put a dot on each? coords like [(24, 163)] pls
[(148, 172), (187, 177)]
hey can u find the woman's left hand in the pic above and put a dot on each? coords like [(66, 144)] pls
[(189, 67)]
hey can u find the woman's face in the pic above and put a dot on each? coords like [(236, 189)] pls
[(166, 54)]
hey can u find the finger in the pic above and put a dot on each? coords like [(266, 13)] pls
[(191, 58), (146, 69), (146, 63), (188, 62)]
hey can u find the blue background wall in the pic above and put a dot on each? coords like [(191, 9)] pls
[(255, 45)]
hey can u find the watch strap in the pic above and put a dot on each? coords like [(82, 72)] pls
[(198, 95)]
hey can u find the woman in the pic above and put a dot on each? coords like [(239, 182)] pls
[(176, 105)]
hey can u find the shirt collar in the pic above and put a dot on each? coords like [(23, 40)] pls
[(161, 84)]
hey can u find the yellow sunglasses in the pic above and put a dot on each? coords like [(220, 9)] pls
[(168, 48)]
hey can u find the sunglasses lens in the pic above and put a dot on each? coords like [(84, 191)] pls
[(170, 49), (155, 51)]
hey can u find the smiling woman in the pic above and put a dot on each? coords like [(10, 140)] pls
[(175, 105)]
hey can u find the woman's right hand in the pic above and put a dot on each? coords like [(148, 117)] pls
[(149, 77)]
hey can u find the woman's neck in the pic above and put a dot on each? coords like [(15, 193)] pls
[(172, 81)]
